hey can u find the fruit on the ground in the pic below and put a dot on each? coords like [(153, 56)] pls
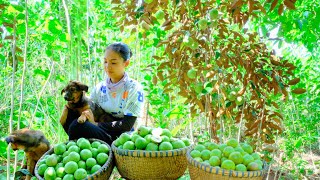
[(239, 100), (148, 1), (159, 14), (213, 13), (198, 87), (192, 73), (203, 24), (232, 96)]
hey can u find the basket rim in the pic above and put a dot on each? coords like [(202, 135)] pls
[(103, 168), (144, 153), (224, 172)]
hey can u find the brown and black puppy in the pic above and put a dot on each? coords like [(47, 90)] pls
[(78, 102), (32, 142)]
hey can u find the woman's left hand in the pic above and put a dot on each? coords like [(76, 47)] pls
[(88, 113)]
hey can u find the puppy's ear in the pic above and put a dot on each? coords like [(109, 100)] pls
[(63, 90), (82, 87)]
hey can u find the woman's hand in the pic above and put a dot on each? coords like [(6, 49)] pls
[(89, 116)]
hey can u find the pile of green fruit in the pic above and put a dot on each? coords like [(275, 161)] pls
[(74, 160), (230, 156), (150, 139)]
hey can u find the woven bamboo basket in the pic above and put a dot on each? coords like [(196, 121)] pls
[(200, 171), (141, 164), (103, 173)]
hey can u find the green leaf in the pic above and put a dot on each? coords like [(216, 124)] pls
[(41, 72), (298, 143), (21, 16), (65, 37), (47, 37), (147, 77), (14, 9), (264, 30), (54, 27), (21, 28)]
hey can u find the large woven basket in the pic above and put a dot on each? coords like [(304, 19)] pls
[(141, 164), (201, 171), (103, 173)]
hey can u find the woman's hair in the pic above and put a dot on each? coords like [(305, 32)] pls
[(122, 49)]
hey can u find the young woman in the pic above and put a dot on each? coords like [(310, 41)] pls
[(119, 95)]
